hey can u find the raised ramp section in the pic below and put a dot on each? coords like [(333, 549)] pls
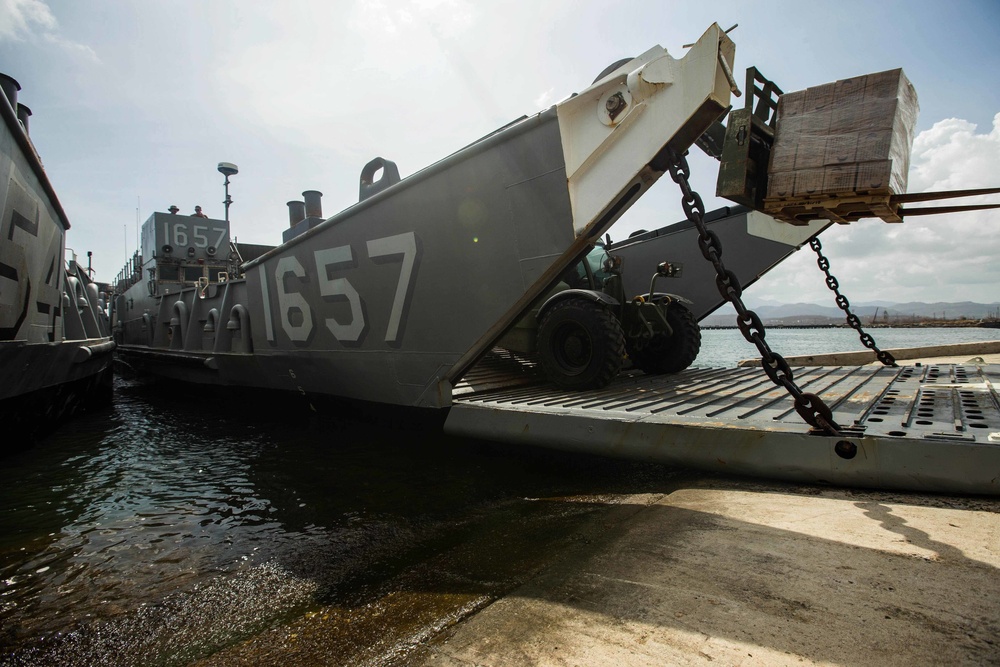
[(920, 428)]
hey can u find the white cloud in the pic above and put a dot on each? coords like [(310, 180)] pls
[(373, 15), (951, 156), (18, 18), (73, 48), (444, 17), (390, 76), (22, 20)]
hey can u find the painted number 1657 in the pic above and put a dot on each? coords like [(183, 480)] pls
[(340, 289)]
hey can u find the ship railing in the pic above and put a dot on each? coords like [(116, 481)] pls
[(130, 274), (177, 275)]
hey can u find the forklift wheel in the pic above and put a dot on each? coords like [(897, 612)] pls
[(671, 354), (580, 344)]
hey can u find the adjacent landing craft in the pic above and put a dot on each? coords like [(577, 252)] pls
[(55, 347)]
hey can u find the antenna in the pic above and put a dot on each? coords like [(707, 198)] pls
[(228, 169)]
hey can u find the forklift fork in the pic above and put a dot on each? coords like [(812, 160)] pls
[(743, 147)]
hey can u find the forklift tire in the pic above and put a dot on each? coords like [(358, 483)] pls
[(671, 354), (580, 344)]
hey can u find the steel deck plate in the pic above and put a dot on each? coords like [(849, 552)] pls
[(922, 428)]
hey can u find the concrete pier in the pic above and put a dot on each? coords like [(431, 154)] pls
[(704, 570), (955, 353), (717, 571), (737, 573)]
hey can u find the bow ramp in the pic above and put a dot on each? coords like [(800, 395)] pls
[(919, 428)]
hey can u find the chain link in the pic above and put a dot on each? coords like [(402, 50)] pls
[(809, 406), (852, 320)]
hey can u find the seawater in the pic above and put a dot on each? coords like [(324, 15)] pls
[(724, 348), (180, 522)]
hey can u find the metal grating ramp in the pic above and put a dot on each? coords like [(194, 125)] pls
[(931, 427)]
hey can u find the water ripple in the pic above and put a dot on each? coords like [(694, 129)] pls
[(176, 524)]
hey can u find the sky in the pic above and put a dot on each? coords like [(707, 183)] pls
[(135, 102)]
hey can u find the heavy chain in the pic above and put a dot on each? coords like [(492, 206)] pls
[(866, 338), (809, 406)]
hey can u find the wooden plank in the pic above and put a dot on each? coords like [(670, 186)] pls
[(840, 208)]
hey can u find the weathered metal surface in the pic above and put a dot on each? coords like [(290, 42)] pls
[(393, 299), (54, 341), (758, 243), (933, 428), (743, 170)]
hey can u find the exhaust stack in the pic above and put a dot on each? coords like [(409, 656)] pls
[(314, 207), (296, 212), (303, 215), (23, 113), (10, 87)]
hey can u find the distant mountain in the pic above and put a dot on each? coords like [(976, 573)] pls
[(811, 313), (951, 311)]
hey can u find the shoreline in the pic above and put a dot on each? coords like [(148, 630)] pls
[(982, 352), (934, 324)]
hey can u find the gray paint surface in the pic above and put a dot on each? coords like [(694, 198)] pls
[(380, 301), (386, 295), (748, 256), (53, 334), (929, 428)]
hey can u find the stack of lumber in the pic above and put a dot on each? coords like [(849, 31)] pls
[(842, 149)]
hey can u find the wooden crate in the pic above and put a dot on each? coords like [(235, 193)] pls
[(844, 140)]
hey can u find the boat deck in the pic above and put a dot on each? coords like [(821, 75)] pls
[(926, 428)]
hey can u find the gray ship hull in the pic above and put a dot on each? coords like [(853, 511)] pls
[(395, 298), (401, 300), (55, 348), (753, 243)]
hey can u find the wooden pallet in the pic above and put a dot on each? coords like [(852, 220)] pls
[(840, 208)]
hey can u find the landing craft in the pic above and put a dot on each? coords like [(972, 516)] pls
[(55, 346), (393, 299), (443, 290)]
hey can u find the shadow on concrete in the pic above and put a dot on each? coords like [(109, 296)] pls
[(355, 541)]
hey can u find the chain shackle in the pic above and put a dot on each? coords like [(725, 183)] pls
[(778, 369), (886, 357), (693, 206), (679, 169), (749, 325), (711, 246), (816, 413), (729, 285)]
